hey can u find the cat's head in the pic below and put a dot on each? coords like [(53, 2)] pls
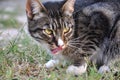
[(51, 23)]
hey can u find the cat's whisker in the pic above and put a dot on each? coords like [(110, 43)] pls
[(74, 41), (78, 38), (73, 46), (75, 38)]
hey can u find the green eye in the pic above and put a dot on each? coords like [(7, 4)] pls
[(66, 29), (48, 31)]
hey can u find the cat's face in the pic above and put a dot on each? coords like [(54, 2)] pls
[(52, 27)]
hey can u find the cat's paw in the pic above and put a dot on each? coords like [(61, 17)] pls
[(103, 69), (51, 64), (77, 70)]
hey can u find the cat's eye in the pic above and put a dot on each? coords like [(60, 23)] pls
[(66, 29), (48, 31)]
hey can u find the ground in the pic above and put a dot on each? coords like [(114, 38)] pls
[(21, 58)]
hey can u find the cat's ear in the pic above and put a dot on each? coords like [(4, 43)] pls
[(68, 7), (33, 8)]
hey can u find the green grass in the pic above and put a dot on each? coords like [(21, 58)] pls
[(8, 22)]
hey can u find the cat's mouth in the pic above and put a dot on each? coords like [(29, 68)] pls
[(55, 50)]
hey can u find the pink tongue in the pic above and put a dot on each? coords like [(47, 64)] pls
[(54, 51)]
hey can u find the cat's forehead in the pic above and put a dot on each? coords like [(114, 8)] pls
[(58, 17), (57, 23)]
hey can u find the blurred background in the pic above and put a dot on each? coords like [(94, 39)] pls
[(12, 17)]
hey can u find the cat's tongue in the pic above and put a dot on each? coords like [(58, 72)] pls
[(54, 51)]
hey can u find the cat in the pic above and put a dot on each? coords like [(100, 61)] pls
[(77, 31)]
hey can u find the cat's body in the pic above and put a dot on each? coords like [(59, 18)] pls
[(76, 30)]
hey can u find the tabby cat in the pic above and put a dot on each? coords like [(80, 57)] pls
[(78, 31)]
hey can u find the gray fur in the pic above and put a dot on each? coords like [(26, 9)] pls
[(94, 30)]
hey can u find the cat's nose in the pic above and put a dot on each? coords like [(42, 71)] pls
[(60, 42)]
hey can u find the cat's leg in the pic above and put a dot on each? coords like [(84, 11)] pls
[(55, 61), (77, 68), (99, 61), (103, 69), (100, 64), (52, 63)]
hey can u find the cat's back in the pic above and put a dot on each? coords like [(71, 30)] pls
[(110, 8), (80, 4)]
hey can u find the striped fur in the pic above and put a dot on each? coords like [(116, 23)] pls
[(93, 29)]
